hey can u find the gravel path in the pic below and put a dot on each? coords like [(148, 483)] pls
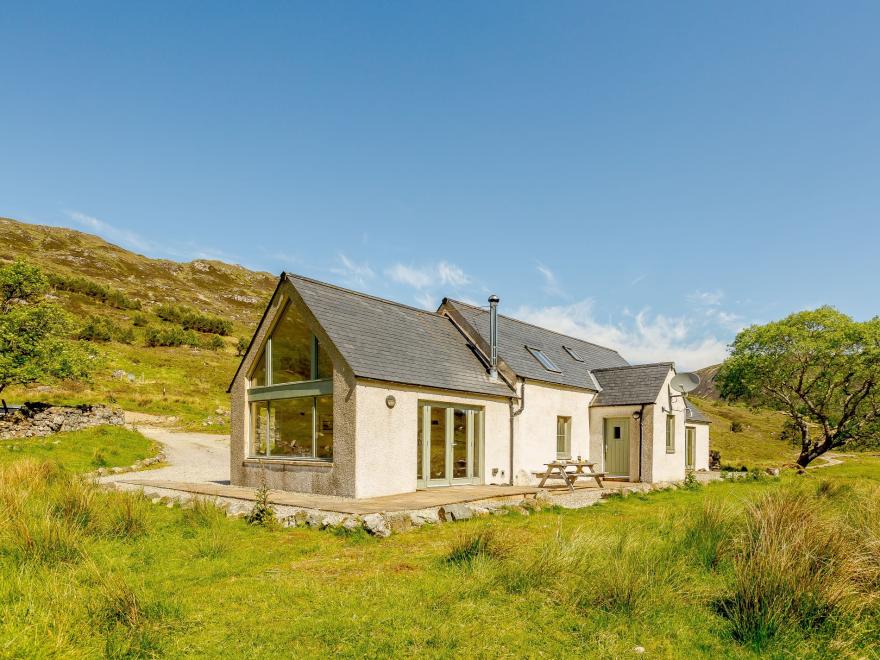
[(191, 457)]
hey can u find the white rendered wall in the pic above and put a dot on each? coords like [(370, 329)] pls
[(385, 448), (598, 415), (701, 449), (535, 427), (663, 466)]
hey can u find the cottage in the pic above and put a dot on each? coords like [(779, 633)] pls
[(342, 393)]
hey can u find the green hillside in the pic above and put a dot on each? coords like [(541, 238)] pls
[(103, 286)]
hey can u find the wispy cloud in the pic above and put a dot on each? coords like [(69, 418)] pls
[(186, 251), (426, 276), (352, 273), (638, 279), (704, 298), (551, 284), (641, 337)]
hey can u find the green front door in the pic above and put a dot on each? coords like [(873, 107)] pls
[(690, 435), (617, 447)]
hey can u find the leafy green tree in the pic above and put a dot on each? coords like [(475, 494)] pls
[(35, 342), (820, 367), (241, 346)]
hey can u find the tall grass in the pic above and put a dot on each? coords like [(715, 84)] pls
[(795, 566), (474, 544)]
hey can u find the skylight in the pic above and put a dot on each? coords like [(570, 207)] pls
[(546, 362), (573, 354)]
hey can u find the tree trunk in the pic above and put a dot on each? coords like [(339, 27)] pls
[(808, 454)]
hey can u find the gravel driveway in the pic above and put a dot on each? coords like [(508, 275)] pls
[(191, 458)]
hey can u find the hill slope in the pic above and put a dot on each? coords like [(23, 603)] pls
[(185, 381)]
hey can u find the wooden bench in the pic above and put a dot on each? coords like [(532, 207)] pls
[(559, 470)]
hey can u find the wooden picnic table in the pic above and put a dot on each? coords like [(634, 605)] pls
[(570, 471)]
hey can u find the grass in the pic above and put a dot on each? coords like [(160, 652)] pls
[(82, 451), (675, 572), (758, 444)]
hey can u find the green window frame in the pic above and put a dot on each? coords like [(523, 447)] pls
[(266, 405), (563, 437), (670, 434)]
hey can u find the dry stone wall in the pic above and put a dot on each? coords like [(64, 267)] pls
[(40, 419)]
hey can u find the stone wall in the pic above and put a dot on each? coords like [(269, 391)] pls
[(38, 419)]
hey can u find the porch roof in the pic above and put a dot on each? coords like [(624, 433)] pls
[(631, 385)]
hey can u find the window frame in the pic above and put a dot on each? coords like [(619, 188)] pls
[(670, 434), (566, 435), (543, 359), (313, 388), (573, 353)]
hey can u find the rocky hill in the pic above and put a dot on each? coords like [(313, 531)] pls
[(707, 388), (123, 300)]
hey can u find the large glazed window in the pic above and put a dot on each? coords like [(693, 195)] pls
[(291, 394)]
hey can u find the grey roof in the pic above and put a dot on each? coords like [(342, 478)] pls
[(631, 385), (514, 336), (695, 414), (385, 340)]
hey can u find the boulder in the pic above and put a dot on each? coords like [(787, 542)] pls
[(424, 517), (452, 512), (376, 525)]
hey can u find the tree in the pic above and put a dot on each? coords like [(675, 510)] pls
[(35, 342), (820, 367), (242, 346)]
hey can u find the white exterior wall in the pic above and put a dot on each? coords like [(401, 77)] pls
[(385, 449), (535, 427), (701, 448), (665, 466)]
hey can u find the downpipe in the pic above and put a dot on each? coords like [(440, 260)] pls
[(513, 414)]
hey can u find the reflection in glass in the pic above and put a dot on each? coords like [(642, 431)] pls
[(324, 426), (325, 366), (459, 443), (419, 443), (258, 377), (291, 349), (437, 451), (291, 427), (259, 420)]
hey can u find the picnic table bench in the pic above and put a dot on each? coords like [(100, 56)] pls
[(570, 471)]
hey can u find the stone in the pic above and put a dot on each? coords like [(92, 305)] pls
[(773, 471), (452, 512), (638, 649), (315, 520), (424, 517), (399, 522), (376, 525), (332, 520), (352, 523)]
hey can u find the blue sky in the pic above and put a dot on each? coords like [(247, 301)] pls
[(651, 176)]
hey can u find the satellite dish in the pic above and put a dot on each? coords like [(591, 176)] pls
[(685, 382)]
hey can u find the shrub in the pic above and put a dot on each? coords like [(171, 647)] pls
[(690, 480), (263, 512), (139, 320), (736, 427), (99, 328), (190, 319), (241, 346), (106, 295), (171, 337), (215, 343)]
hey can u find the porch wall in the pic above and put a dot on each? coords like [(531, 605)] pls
[(598, 415), (701, 448), (535, 428), (386, 437)]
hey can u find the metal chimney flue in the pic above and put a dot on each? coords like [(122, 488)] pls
[(493, 337)]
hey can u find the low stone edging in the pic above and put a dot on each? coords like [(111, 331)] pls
[(134, 467), (384, 524), (42, 419)]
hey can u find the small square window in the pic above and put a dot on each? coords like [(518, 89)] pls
[(573, 353), (546, 362), (617, 433)]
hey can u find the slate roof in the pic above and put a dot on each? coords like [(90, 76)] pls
[(695, 414), (631, 385), (384, 340), (514, 336)]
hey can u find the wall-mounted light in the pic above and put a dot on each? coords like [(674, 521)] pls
[(390, 401), (637, 414)]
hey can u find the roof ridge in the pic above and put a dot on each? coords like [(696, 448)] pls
[(636, 366), (539, 327), (363, 295)]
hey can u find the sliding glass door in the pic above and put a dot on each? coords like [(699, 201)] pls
[(450, 441)]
